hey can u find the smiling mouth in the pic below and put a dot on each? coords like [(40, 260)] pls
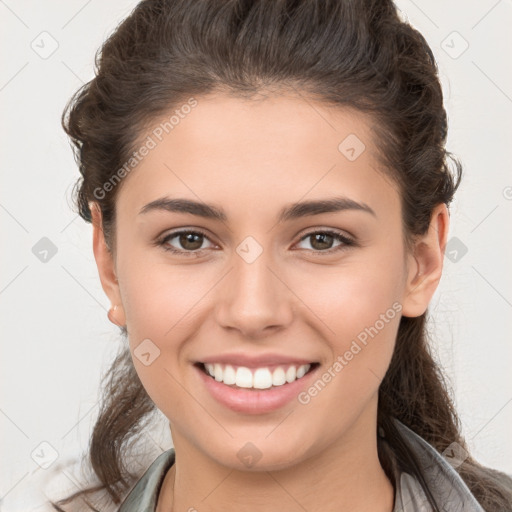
[(256, 378)]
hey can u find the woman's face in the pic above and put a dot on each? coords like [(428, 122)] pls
[(259, 284)]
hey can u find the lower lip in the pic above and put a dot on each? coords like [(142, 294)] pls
[(252, 401)]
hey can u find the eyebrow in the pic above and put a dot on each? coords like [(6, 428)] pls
[(289, 212)]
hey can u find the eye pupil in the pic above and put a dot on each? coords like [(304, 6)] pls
[(322, 238), (189, 237)]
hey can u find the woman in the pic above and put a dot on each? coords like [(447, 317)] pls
[(269, 189)]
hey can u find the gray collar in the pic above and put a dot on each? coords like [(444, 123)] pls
[(447, 487)]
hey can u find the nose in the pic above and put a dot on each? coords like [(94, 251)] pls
[(254, 298)]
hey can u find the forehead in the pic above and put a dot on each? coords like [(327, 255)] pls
[(251, 153)]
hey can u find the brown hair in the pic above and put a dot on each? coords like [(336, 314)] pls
[(349, 53)]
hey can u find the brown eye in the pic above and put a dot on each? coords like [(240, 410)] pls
[(322, 241), (190, 241), (187, 243)]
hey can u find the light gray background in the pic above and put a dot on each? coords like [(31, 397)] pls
[(56, 339)]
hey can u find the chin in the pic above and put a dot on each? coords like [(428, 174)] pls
[(258, 455)]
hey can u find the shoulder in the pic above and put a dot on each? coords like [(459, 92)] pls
[(144, 494), (35, 490), (40, 487), (443, 481)]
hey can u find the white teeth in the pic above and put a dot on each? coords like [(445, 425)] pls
[(229, 375), (278, 377), (243, 377), (301, 371), (291, 374), (261, 378)]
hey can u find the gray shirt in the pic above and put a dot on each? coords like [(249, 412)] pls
[(448, 488)]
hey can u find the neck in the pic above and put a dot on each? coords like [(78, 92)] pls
[(346, 476)]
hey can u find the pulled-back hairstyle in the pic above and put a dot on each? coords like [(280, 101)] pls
[(355, 54)]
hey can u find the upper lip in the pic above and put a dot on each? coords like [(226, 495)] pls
[(259, 361)]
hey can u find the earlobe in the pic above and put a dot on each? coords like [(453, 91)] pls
[(106, 267), (426, 270)]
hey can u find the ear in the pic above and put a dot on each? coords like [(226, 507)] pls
[(105, 262), (425, 264)]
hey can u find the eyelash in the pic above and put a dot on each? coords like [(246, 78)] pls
[(347, 242)]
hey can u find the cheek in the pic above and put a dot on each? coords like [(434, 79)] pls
[(162, 304), (361, 314), (359, 306), (160, 299), (352, 297)]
